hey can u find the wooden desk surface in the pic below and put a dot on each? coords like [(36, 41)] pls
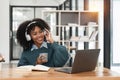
[(12, 73)]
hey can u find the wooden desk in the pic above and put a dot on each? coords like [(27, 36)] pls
[(11, 73)]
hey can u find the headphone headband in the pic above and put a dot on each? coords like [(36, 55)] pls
[(28, 38), (33, 22)]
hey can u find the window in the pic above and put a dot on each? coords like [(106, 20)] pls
[(115, 62), (18, 15)]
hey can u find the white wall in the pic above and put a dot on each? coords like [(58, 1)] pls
[(4, 20), (36, 2), (4, 29)]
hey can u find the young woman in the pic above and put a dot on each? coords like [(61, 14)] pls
[(35, 38)]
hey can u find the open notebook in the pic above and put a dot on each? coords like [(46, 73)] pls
[(34, 68)]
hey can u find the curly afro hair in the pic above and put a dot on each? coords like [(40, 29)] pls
[(27, 26)]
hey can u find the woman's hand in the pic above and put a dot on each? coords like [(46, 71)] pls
[(41, 59), (48, 36)]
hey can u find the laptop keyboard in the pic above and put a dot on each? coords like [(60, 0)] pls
[(67, 68)]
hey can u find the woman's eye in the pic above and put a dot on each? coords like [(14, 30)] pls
[(34, 33), (40, 31)]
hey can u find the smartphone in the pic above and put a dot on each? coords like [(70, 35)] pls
[(43, 57)]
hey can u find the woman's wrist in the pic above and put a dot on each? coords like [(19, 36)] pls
[(51, 41)]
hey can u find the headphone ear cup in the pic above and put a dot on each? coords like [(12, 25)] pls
[(28, 38)]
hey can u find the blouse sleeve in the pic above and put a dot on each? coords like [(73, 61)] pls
[(22, 60), (60, 54)]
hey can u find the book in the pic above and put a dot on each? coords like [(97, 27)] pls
[(41, 68), (74, 38), (92, 37)]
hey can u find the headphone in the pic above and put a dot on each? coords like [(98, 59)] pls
[(28, 38)]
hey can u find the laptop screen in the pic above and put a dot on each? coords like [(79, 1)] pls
[(85, 60)]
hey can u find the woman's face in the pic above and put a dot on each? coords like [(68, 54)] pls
[(37, 36)]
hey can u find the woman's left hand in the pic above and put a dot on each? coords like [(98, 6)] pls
[(48, 36)]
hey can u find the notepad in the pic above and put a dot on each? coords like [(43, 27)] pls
[(35, 68)]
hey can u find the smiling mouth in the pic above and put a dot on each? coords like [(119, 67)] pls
[(40, 39)]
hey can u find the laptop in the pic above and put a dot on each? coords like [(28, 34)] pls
[(85, 60)]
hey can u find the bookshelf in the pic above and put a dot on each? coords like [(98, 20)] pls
[(77, 24)]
